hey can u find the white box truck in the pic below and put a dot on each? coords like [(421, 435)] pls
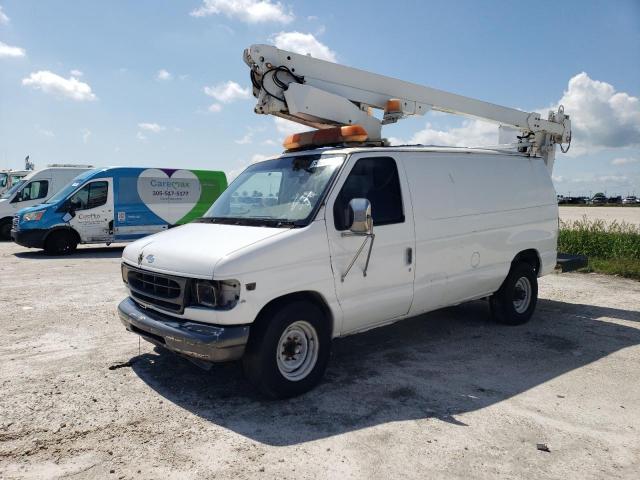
[(33, 189), (343, 233)]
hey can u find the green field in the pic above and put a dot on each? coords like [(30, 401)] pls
[(612, 248)]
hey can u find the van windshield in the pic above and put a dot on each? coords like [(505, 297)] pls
[(9, 193), (284, 192)]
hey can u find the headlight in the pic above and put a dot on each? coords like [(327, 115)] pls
[(220, 294), (31, 216), (205, 291)]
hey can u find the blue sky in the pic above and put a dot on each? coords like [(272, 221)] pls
[(124, 83)]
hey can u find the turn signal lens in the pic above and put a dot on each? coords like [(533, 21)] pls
[(326, 136)]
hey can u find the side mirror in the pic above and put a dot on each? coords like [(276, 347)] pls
[(362, 222)]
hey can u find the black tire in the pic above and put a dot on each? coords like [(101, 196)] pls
[(5, 230), (261, 362), (515, 301), (60, 243)]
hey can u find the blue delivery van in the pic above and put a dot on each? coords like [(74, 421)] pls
[(117, 204)]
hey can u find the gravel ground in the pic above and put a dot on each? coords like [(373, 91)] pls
[(608, 214), (444, 395)]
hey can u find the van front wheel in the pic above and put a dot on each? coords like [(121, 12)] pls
[(5, 230), (288, 350), (515, 301), (60, 243)]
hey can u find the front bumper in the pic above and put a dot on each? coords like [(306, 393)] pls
[(32, 238), (200, 341)]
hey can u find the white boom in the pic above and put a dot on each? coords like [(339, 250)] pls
[(323, 94)]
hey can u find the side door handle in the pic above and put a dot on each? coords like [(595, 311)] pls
[(409, 256)]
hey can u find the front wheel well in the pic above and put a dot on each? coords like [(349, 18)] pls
[(530, 257), (69, 230), (306, 296)]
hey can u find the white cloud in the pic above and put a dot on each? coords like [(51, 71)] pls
[(86, 133), (163, 75), (44, 132), (76, 73), (228, 92), (246, 139), (214, 107), (4, 19), (472, 133), (303, 43), (249, 11), (151, 127), (624, 161), (49, 82), (7, 51), (141, 136), (287, 127), (600, 116)]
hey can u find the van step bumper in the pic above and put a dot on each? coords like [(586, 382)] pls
[(568, 262), (199, 341)]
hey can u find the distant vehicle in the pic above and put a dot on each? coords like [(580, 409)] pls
[(630, 200), (117, 204), (8, 178), (33, 189), (598, 199)]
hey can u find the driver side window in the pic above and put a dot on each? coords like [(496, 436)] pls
[(92, 195), (33, 191), (377, 180)]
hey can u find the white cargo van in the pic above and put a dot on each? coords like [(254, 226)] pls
[(276, 269), (343, 233), (34, 189)]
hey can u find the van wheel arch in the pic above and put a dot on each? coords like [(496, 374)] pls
[(305, 296), (69, 230), (530, 257), (65, 247)]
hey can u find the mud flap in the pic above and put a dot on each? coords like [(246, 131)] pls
[(568, 262)]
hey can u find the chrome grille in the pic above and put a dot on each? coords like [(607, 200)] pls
[(15, 222), (163, 291)]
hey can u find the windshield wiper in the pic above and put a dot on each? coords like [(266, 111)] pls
[(251, 221)]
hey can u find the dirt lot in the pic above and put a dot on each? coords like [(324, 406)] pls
[(608, 214), (445, 395)]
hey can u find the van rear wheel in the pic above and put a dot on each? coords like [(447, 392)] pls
[(60, 243), (288, 350), (515, 301)]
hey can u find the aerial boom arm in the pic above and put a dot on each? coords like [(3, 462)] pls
[(322, 94)]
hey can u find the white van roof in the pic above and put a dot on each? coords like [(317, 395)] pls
[(506, 150)]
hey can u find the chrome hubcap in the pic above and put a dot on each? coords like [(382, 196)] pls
[(522, 295), (297, 351)]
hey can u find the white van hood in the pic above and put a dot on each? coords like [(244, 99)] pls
[(193, 250)]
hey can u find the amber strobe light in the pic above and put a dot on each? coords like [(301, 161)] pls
[(326, 136)]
